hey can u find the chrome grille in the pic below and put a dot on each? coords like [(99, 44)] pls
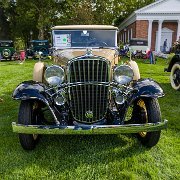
[(89, 97)]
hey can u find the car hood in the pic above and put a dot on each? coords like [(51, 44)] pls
[(61, 57)]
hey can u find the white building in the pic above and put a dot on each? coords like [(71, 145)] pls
[(156, 23)]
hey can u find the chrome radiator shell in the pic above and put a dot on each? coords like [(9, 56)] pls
[(90, 96)]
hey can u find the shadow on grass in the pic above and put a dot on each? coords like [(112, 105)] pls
[(68, 153), (64, 152), (170, 105)]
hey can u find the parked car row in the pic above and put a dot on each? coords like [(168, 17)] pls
[(36, 48)]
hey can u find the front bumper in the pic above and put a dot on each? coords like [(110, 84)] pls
[(88, 129)]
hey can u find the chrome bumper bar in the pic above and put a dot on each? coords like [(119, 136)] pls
[(88, 129)]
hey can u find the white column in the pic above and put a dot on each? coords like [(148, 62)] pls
[(125, 37), (178, 30), (150, 33), (128, 36), (159, 35)]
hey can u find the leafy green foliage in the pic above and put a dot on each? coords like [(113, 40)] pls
[(19, 44), (128, 7), (20, 16)]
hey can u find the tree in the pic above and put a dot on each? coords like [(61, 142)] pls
[(4, 25), (36, 16), (19, 17), (128, 7), (7, 14)]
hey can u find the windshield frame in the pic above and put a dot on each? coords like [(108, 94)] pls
[(54, 33)]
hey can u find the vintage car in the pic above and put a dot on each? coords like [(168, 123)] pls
[(138, 47), (7, 49), (86, 91), (38, 47), (174, 68)]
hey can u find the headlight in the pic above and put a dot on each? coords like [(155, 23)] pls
[(54, 75), (123, 74)]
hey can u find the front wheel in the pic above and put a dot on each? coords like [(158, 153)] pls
[(147, 110), (175, 76), (28, 115)]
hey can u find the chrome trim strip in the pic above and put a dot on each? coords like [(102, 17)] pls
[(76, 113), (86, 58), (80, 81), (88, 129), (89, 103)]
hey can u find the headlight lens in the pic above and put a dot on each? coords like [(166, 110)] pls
[(54, 75), (123, 74)]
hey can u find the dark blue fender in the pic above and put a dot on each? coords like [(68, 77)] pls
[(30, 90), (147, 88)]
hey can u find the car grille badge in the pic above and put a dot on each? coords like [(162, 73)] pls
[(89, 114)]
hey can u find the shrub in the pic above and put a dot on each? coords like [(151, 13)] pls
[(19, 44)]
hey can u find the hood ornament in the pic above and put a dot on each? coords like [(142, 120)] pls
[(89, 52)]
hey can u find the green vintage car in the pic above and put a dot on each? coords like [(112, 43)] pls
[(6, 49), (37, 47)]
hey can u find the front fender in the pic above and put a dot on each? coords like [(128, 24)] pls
[(175, 58), (147, 88), (30, 90)]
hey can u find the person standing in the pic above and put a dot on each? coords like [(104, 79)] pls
[(22, 55), (165, 45)]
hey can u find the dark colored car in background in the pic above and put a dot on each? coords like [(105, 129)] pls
[(138, 47), (6, 49), (174, 68), (37, 47)]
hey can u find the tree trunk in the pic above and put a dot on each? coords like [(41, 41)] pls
[(40, 26), (41, 34), (4, 26)]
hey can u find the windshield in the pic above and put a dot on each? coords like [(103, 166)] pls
[(84, 38), (138, 42), (6, 44), (39, 44)]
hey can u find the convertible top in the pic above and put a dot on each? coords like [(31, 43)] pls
[(84, 27), (9, 41), (39, 40)]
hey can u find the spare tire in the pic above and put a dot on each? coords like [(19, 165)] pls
[(6, 53), (175, 76)]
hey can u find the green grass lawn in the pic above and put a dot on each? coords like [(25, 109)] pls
[(88, 156)]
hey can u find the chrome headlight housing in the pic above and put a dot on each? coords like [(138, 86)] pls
[(123, 74), (54, 75)]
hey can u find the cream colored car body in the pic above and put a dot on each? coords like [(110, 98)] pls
[(61, 56)]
